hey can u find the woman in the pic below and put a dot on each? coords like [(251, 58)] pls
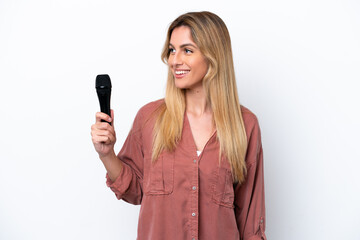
[(194, 159)]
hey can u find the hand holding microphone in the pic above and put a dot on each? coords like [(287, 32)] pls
[(103, 132)]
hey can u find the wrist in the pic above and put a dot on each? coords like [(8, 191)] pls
[(108, 157)]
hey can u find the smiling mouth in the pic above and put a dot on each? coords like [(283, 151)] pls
[(182, 73)]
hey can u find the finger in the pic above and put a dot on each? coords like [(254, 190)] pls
[(102, 116), (104, 137), (111, 139), (112, 116), (105, 126), (105, 133), (105, 130), (102, 126), (100, 139)]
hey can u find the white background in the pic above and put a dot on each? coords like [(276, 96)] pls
[(298, 70)]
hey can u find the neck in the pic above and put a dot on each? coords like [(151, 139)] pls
[(196, 102)]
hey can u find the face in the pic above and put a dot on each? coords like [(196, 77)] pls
[(186, 62)]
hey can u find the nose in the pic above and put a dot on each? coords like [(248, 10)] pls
[(177, 59)]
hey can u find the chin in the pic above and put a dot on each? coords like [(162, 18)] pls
[(187, 84), (181, 85)]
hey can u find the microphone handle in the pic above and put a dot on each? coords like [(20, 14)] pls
[(104, 100)]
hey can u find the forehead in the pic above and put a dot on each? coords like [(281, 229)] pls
[(181, 35)]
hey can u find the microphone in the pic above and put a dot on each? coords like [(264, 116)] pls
[(103, 89)]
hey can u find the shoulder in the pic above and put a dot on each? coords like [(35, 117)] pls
[(144, 120), (151, 107), (147, 112), (250, 121), (248, 116)]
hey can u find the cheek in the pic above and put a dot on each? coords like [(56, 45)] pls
[(201, 67), (170, 61)]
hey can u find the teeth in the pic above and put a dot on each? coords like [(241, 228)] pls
[(181, 72)]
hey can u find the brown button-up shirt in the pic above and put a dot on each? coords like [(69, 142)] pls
[(186, 196)]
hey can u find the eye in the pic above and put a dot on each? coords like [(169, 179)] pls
[(171, 50), (188, 50)]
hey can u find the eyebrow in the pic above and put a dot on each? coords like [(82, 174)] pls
[(185, 45)]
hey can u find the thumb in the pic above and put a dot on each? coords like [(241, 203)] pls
[(112, 116)]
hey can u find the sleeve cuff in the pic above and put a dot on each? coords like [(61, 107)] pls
[(121, 183), (257, 237), (260, 235)]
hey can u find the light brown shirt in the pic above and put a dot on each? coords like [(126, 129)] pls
[(186, 196)]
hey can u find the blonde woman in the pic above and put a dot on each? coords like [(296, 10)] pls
[(193, 160)]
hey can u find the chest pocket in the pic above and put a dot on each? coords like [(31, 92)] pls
[(222, 186), (159, 176)]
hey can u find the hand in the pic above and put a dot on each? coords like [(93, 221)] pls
[(103, 134)]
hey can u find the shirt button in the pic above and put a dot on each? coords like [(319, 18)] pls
[(193, 188), (193, 214), (194, 160)]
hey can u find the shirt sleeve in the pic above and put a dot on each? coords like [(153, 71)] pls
[(128, 185), (249, 196)]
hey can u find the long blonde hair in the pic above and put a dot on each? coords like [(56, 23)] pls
[(211, 35)]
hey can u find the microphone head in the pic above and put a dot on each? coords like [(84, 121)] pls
[(103, 81)]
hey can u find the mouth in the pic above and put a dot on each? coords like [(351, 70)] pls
[(181, 73)]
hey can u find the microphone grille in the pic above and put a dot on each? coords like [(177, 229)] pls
[(103, 81)]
